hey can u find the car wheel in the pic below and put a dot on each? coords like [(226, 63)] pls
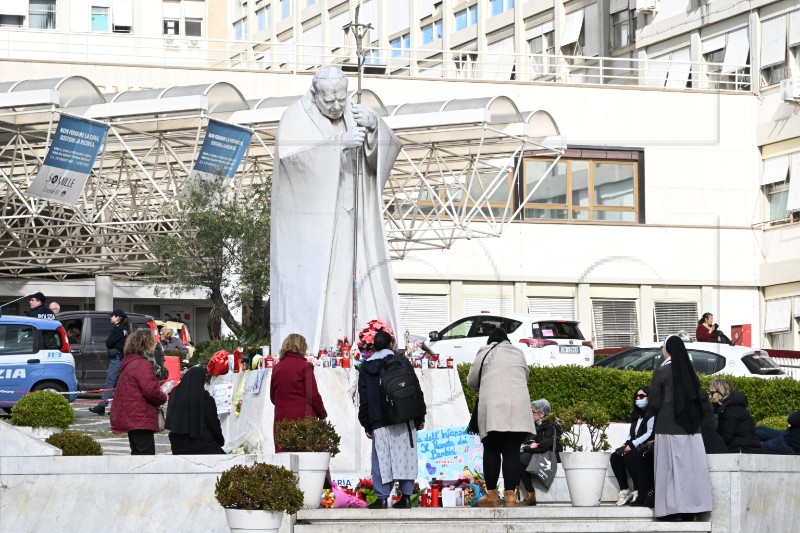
[(49, 385)]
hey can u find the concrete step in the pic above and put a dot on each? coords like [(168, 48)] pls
[(541, 519)]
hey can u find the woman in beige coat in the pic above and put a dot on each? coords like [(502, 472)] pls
[(504, 418)]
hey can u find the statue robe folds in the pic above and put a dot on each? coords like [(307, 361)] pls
[(313, 217)]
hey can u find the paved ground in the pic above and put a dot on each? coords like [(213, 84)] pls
[(99, 428)]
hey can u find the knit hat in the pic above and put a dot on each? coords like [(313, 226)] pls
[(38, 295), (120, 313)]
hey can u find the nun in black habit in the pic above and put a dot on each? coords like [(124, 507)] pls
[(683, 483), (192, 421)]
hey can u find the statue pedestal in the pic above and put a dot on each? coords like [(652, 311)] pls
[(251, 430)]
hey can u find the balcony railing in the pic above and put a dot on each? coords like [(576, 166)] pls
[(182, 51)]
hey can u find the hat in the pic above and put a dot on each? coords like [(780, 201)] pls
[(38, 295), (120, 313)]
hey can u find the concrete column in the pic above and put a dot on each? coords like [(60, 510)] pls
[(585, 311), (707, 301), (456, 300), (521, 297), (103, 293), (646, 314)]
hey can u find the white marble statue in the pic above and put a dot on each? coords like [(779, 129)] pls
[(313, 216)]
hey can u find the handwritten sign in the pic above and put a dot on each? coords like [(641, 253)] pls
[(446, 453), (223, 396)]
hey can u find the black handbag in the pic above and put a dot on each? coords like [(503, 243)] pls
[(472, 427)]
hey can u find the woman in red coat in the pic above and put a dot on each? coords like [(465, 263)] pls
[(293, 388), (138, 396)]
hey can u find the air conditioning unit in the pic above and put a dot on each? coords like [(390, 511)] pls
[(646, 6), (790, 90)]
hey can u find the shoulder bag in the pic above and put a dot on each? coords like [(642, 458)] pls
[(162, 420), (544, 465), (472, 427)]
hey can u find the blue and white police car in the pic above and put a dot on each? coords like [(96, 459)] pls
[(34, 356)]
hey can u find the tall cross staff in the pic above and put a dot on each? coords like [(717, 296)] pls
[(359, 32)]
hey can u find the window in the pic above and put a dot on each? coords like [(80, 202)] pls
[(615, 323), (10, 21), (240, 29), (499, 6), (580, 190), (773, 50), (552, 307), (466, 17), (263, 18), (42, 14), (99, 18), (398, 44), (623, 28), (16, 339), (705, 362), (171, 27), (286, 9), (372, 57), (194, 27), (672, 317), (556, 330), (542, 48), (432, 32), (422, 313), (311, 2), (777, 198), (466, 65), (458, 330)]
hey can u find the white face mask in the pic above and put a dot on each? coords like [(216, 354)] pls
[(641, 404)]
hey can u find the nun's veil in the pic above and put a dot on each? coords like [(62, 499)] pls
[(687, 401)]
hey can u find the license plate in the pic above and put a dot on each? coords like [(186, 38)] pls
[(569, 349)]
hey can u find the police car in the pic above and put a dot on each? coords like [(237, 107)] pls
[(34, 355)]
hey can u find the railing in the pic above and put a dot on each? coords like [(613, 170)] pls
[(182, 51)]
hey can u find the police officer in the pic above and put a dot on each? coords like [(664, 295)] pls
[(115, 344), (38, 309)]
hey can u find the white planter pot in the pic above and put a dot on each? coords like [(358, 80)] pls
[(586, 474), (313, 467), (263, 521), (39, 433)]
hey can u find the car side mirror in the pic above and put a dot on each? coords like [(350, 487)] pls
[(433, 336)]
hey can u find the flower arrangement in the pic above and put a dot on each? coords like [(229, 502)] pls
[(340, 497), (365, 490), (366, 343)]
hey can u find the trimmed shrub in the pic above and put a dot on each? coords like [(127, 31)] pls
[(307, 435), (259, 487), (774, 422), (43, 409), (73, 443), (589, 414)]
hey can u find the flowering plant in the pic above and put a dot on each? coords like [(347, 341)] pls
[(366, 343), (365, 490)]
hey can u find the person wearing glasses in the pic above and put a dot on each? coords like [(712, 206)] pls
[(734, 423), (547, 432), (682, 480), (627, 458)]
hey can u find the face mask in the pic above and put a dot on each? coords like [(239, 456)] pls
[(641, 404)]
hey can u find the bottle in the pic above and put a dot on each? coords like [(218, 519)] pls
[(269, 361), (450, 361), (167, 386)]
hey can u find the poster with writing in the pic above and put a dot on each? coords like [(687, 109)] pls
[(223, 396), (446, 453), (222, 151)]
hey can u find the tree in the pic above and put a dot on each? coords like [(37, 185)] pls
[(222, 246)]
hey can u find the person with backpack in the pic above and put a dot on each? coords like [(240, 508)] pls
[(391, 410), (500, 375)]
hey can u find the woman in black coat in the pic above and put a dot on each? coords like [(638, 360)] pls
[(627, 458), (192, 421), (547, 434), (734, 423)]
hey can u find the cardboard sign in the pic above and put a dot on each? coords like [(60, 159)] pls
[(447, 453)]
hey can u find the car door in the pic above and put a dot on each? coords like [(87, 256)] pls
[(95, 352), (705, 362), (19, 361), (453, 341), (75, 336)]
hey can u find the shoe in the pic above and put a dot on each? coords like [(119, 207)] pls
[(491, 499), (625, 496), (670, 518), (510, 498), (98, 410), (380, 503), (403, 503), (530, 498), (650, 500)]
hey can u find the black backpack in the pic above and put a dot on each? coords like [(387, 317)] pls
[(402, 399)]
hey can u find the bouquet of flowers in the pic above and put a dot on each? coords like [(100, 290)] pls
[(365, 490), (366, 343)]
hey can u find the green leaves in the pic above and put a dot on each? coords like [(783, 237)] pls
[(43, 408), (307, 435), (72, 443), (259, 487)]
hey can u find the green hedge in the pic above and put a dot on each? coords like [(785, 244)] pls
[(562, 386)]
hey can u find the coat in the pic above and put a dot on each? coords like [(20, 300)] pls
[(212, 440), (735, 425), (661, 403), (546, 433), (504, 402), (137, 397), (293, 389)]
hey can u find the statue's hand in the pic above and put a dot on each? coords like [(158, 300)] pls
[(364, 116), (354, 138)]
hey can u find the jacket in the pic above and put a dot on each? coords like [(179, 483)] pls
[(41, 312), (661, 402), (213, 439), (702, 334), (792, 434), (735, 425), (712, 442), (639, 433), (293, 389), (504, 401), (176, 345), (137, 397), (370, 408), (116, 339), (546, 432)]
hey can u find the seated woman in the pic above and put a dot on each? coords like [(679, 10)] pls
[(547, 432), (627, 458), (170, 342), (192, 421), (734, 423)]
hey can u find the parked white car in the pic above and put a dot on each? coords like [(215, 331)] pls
[(544, 341), (707, 358)]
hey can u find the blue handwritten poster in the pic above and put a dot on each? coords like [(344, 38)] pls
[(446, 453)]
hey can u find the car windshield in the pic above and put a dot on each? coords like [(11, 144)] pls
[(761, 363), (554, 329)]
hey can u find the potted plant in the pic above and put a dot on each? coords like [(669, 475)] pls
[(256, 496), (586, 466), (72, 443), (42, 413), (314, 441)]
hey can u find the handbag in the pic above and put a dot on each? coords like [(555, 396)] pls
[(472, 427), (544, 465), (162, 420)]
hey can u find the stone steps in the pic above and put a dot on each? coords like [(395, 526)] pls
[(553, 518)]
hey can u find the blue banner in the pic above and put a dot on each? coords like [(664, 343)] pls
[(222, 151), (69, 161)]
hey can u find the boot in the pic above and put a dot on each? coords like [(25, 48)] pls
[(530, 498), (379, 503), (491, 499), (510, 498), (403, 503), (98, 410)]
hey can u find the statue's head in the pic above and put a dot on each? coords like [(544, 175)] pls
[(329, 89)]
